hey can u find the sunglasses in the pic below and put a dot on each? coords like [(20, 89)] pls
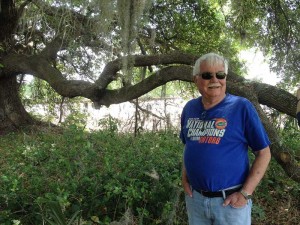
[(209, 75)]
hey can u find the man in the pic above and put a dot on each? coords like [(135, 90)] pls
[(217, 129)]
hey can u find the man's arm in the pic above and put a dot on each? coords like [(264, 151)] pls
[(257, 171), (185, 182)]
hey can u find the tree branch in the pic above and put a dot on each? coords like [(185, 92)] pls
[(51, 49), (41, 68), (155, 80), (110, 70)]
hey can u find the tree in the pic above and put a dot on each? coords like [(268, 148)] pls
[(65, 43)]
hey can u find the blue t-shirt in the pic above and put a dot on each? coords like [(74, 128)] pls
[(216, 142)]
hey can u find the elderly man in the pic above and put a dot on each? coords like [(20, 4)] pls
[(217, 129)]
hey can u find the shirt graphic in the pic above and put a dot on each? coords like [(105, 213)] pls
[(206, 131)]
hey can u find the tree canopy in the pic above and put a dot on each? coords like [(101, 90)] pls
[(115, 51)]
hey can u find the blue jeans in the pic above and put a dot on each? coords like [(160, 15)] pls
[(210, 211)]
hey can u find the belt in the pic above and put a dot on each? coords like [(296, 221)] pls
[(214, 194)]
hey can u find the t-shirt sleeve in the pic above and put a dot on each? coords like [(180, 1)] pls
[(255, 132)]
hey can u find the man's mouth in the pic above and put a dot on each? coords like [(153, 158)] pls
[(214, 86)]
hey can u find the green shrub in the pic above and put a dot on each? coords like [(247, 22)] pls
[(102, 174), (97, 178)]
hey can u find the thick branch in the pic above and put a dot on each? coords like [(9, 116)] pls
[(268, 95), (113, 67), (155, 80), (276, 98), (41, 68), (52, 48)]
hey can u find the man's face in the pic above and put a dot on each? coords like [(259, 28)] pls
[(214, 87)]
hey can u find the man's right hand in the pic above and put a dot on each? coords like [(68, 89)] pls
[(186, 184)]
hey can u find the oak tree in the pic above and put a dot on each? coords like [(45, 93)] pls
[(115, 51)]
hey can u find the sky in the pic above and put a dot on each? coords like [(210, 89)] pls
[(258, 67)]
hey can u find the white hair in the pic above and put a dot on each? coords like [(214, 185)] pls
[(210, 59)]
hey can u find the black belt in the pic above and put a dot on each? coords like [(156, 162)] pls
[(214, 194)]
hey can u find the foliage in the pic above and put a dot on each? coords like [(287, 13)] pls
[(58, 217), (102, 176), (192, 26), (277, 198), (38, 92), (110, 124), (98, 174), (272, 26), (275, 185), (45, 104)]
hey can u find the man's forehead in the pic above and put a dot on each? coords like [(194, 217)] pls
[(209, 64)]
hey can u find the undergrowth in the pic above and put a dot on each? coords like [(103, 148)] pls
[(76, 177)]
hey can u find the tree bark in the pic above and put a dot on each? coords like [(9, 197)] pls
[(12, 112)]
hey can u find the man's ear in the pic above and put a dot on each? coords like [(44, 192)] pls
[(195, 78)]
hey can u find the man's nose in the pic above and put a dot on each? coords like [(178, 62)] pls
[(214, 78)]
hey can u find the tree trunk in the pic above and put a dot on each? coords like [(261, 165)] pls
[(12, 112)]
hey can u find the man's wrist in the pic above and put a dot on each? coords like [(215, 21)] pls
[(246, 195)]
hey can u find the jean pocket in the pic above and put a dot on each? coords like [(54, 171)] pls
[(249, 202), (238, 207)]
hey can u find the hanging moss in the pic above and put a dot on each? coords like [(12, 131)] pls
[(129, 17)]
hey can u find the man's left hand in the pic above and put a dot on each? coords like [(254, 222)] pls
[(236, 200)]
